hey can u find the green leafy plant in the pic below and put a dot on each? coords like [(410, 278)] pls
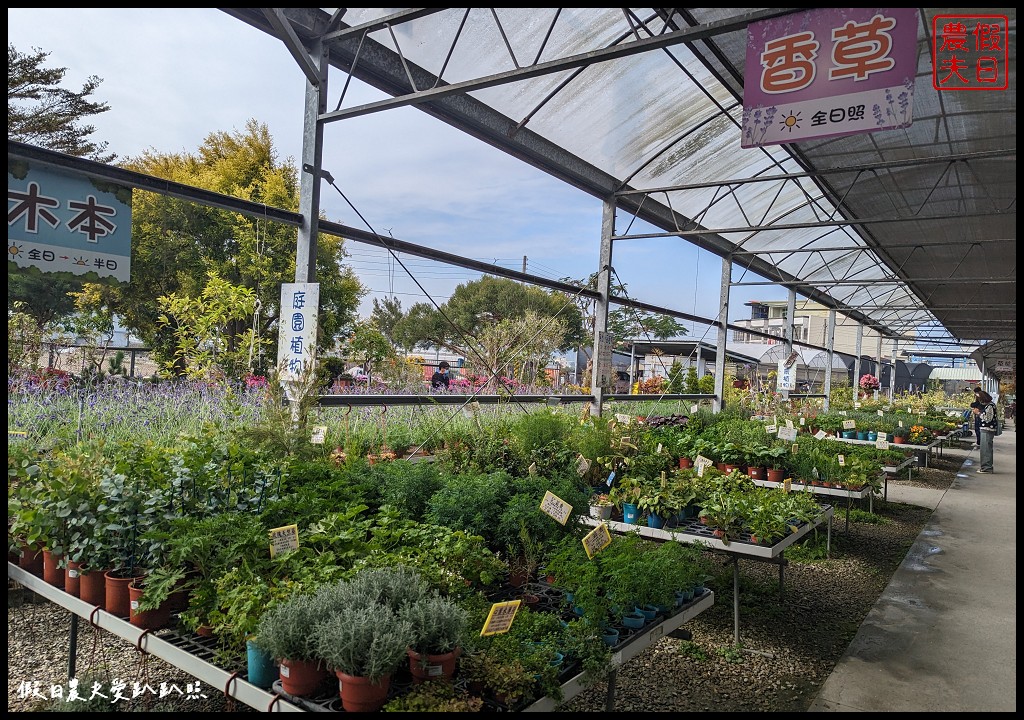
[(438, 624), (365, 641), (434, 697)]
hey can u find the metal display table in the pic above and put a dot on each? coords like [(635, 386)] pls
[(627, 651), (925, 450), (184, 653), (691, 531), (167, 645), (850, 495)]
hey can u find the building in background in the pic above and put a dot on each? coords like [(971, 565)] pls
[(811, 326)]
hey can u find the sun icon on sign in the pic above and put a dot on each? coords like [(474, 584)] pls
[(14, 250), (791, 122)]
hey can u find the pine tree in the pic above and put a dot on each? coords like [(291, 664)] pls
[(41, 113)]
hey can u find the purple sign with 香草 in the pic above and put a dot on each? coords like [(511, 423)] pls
[(829, 72)]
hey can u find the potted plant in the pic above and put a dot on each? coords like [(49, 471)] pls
[(776, 460), (656, 500), (438, 627), (286, 632), (364, 646), (625, 494), (600, 506), (722, 511)]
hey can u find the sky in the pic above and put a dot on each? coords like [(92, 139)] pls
[(173, 76)]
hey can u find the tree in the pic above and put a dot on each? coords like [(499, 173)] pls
[(201, 328), (368, 344), (483, 303), (42, 113), (625, 323), (386, 315), (176, 244)]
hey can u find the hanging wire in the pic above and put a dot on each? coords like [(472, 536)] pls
[(470, 341)]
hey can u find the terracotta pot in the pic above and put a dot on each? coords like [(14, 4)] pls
[(685, 462), (146, 619), (92, 587), (31, 560), (72, 578), (359, 694), (204, 631), (301, 678), (436, 666), (51, 570), (756, 473), (899, 440), (730, 468), (776, 475), (118, 602)]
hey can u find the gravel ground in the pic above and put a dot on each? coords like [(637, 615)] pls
[(788, 645)]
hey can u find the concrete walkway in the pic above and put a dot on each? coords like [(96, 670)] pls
[(943, 635)]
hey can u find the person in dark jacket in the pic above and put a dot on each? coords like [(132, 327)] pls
[(989, 419), (977, 417), (439, 380)]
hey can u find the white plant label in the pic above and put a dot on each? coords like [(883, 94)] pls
[(849, 424), (555, 507), (771, 429), (283, 539), (319, 434), (622, 418), (880, 413), (882, 444), (820, 435), (582, 465), (842, 460), (803, 421), (693, 408), (789, 423)]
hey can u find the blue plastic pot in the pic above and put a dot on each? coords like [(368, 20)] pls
[(262, 669), (655, 521), (629, 513), (634, 620)]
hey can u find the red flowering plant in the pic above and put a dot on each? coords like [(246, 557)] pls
[(869, 382)]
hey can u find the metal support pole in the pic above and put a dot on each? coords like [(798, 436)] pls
[(830, 341), (72, 646), (632, 365), (604, 284), (856, 362), (790, 331), (736, 600), (312, 159), (782, 574), (878, 354), (723, 332), (609, 703), (892, 381)]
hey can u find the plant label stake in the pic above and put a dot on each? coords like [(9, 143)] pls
[(597, 540), (555, 507), (582, 466), (283, 539), (500, 618)]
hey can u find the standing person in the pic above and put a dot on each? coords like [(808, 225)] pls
[(439, 380), (977, 418), (989, 420)]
